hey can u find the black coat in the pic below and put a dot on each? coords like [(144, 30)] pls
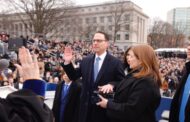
[(111, 70), (72, 105), (176, 102), (135, 100), (24, 106)]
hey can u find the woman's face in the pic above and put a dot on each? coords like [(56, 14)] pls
[(132, 60)]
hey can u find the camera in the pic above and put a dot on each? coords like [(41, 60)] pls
[(95, 98)]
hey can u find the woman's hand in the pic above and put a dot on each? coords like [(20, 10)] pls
[(106, 88), (29, 68), (103, 102)]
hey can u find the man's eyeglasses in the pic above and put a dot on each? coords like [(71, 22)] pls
[(97, 40)]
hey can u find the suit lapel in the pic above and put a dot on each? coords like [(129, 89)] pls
[(90, 67), (70, 92), (87, 68), (103, 68), (59, 91)]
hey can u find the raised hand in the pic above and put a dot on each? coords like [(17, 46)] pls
[(29, 68), (68, 54)]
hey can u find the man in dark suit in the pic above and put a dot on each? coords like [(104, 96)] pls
[(96, 70), (180, 106), (66, 103)]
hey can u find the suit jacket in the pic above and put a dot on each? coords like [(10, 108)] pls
[(72, 104), (111, 70), (176, 102), (135, 100)]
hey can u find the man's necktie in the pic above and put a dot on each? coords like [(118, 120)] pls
[(65, 90), (184, 100), (63, 101), (96, 67)]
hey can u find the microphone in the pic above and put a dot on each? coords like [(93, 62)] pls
[(4, 63)]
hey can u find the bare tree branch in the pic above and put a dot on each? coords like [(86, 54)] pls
[(43, 15)]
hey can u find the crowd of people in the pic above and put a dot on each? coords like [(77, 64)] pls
[(171, 70), (50, 56), (111, 83)]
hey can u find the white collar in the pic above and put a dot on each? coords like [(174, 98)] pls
[(68, 83), (102, 56)]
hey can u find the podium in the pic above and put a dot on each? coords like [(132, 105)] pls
[(162, 111)]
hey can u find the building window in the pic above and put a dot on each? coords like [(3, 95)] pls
[(109, 18), (68, 29), (62, 29), (73, 21), (94, 28), (26, 26), (67, 22), (80, 20), (102, 28), (126, 36), (102, 19), (118, 37), (12, 26), (87, 20), (127, 17), (74, 30), (80, 29), (94, 20), (110, 28), (112, 8), (127, 27), (88, 28), (16, 27), (21, 27)]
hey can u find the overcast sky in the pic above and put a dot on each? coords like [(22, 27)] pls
[(153, 8)]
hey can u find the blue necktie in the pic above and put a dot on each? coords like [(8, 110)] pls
[(96, 67), (65, 90), (184, 100), (63, 101)]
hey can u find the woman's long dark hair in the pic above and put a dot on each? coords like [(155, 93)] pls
[(126, 65)]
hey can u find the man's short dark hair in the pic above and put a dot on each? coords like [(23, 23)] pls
[(105, 35)]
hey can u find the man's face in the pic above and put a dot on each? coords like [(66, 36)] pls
[(100, 44)]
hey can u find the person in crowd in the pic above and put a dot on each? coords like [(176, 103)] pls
[(137, 96), (98, 69), (26, 105), (66, 101), (126, 65), (180, 106)]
